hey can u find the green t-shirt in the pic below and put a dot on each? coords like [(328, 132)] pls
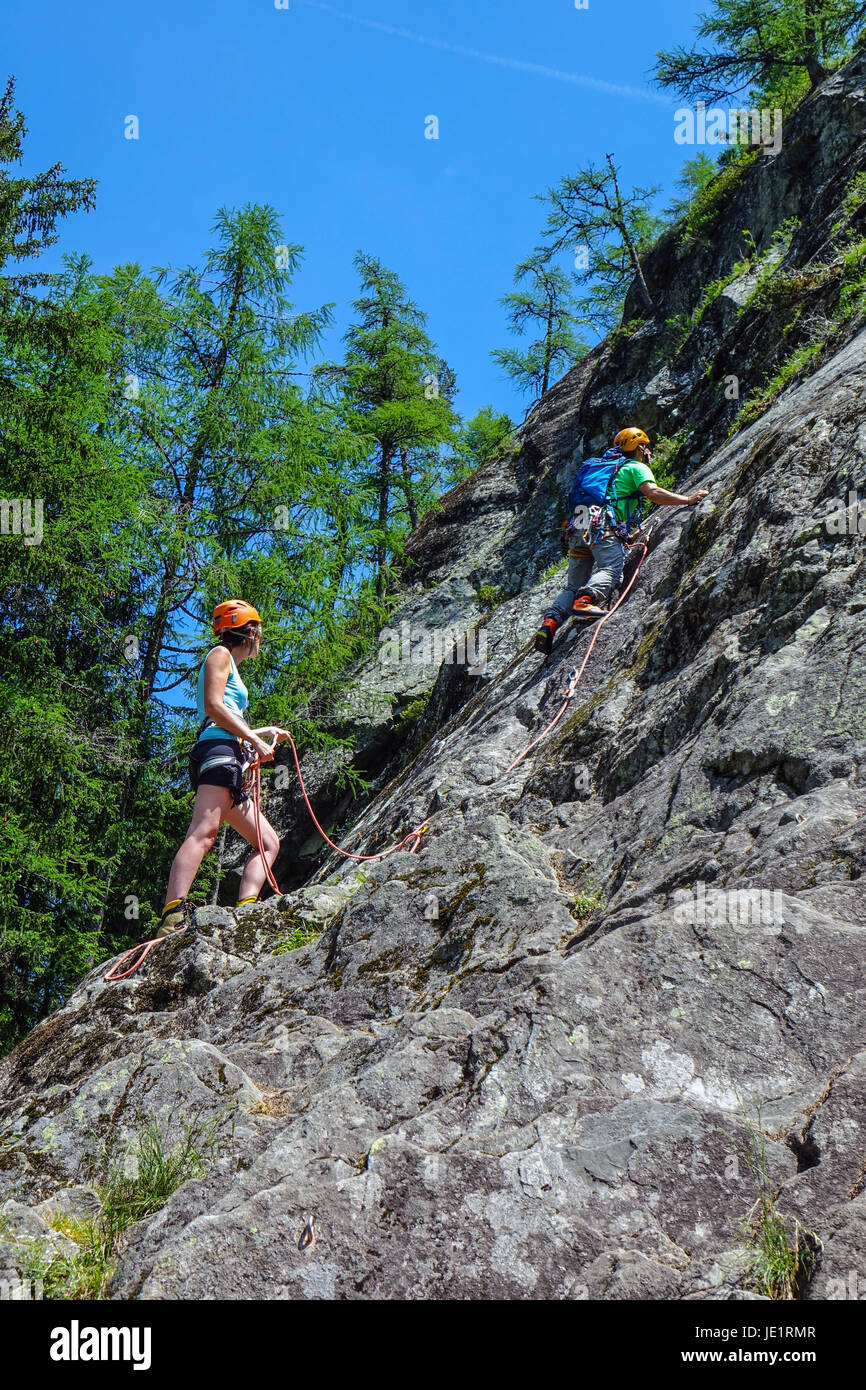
[(628, 479)]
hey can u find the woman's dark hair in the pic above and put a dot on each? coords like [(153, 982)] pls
[(236, 638)]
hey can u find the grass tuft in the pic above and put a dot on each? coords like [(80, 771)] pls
[(779, 1260), (126, 1198)]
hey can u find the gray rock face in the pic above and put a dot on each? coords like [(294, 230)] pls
[(530, 1060)]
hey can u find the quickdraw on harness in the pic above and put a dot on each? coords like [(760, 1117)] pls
[(591, 500), (252, 784), (575, 675)]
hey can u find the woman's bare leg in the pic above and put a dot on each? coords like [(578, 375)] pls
[(210, 810), (242, 819)]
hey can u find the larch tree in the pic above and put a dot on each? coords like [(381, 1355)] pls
[(394, 392), (544, 306), (761, 43), (606, 229)]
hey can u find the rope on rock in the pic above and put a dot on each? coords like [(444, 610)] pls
[(575, 675), (137, 956), (134, 959), (414, 835)]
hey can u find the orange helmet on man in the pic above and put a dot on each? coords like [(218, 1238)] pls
[(233, 614), (630, 438)]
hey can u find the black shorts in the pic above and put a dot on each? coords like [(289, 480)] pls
[(226, 767)]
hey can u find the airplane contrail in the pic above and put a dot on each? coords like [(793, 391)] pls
[(517, 64)]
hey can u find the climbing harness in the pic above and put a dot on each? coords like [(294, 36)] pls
[(575, 674), (252, 783), (593, 494)]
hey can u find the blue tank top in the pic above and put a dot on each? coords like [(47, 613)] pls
[(236, 699)]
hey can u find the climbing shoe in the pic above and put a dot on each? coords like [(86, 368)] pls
[(174, 918), (248, 902), (584, 608), (544, 636)]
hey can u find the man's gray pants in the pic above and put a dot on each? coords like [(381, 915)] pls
[(594, 571)]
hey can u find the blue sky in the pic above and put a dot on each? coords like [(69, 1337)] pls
[(320, 110)]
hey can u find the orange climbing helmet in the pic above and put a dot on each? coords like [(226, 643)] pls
[(232, 614), (629, 438)]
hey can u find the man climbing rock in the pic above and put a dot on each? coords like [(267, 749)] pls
[(607, 503)]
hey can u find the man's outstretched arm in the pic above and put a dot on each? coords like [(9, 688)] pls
[(662, 498)]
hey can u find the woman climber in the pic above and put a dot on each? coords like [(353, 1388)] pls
[(217, 763)]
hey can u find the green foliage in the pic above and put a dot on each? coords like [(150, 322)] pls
[(126, 1199), (585, 904), (782, 91), (855, 198), (624, 331), (412, 711), (698, 225), (849, 270), (766, 266), (776, 45), (615, 228), (852, 292), (300, 936), (62, 695), (480, 440), (29, 211), (679, 326), (666, 453), (693, 178), (778, 1263), (545, 305), (793, 366), (552, 570), (490, 596)]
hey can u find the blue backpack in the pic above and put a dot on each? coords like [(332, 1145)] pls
[(593, 485)]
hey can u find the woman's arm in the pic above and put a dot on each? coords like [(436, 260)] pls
[(216, 673)]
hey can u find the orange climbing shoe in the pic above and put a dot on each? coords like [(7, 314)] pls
[(544, 636), (584, 608)]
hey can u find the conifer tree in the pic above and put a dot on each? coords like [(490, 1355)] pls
[(606, 230), (395, 393), (761, 43), (692, 179), (544, 305), (484, 437), (60, 699)]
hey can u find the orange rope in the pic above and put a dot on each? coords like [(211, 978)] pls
[(575, 675), (253, 780), (256, 797), (140, 952), (414, 835)]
